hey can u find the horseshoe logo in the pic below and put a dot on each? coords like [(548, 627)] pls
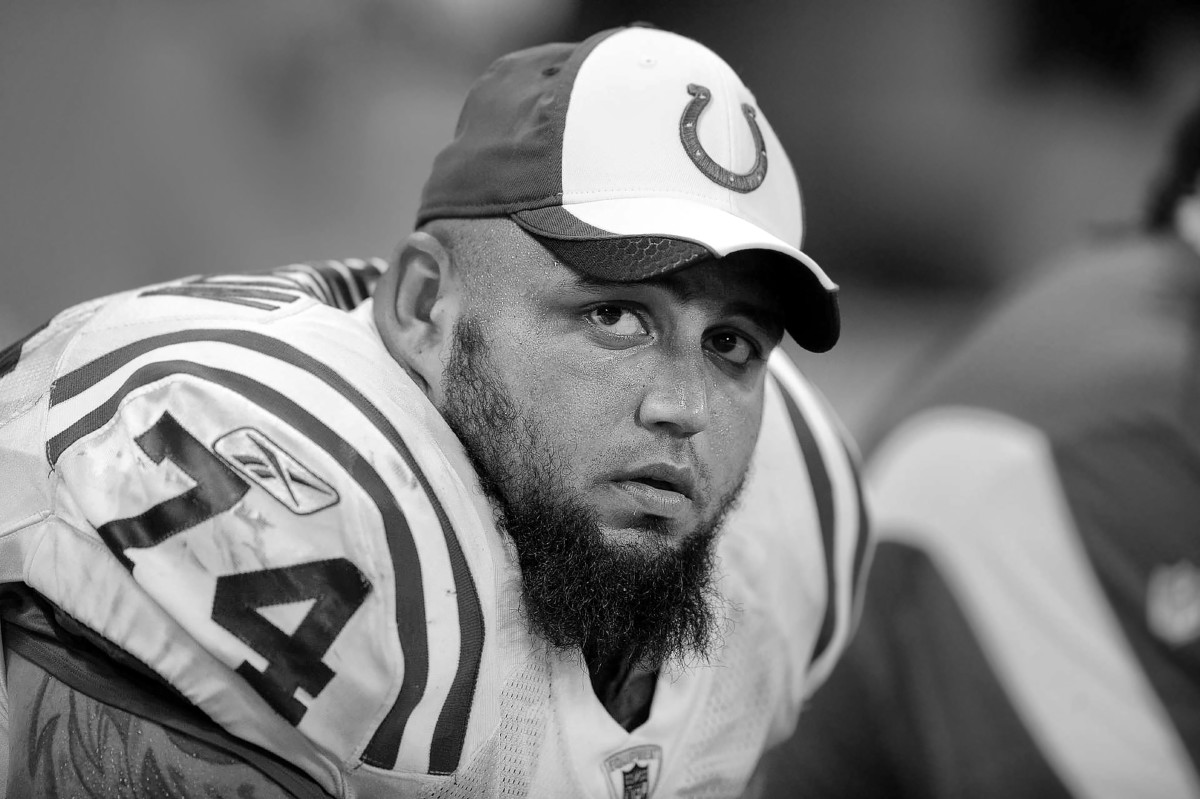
[(743, 183)]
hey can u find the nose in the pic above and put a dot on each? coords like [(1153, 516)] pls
[(677, 398)]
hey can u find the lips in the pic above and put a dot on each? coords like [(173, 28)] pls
[(664, 477), (662, 490)]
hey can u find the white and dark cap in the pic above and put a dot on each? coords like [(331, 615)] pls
[(630, 155)]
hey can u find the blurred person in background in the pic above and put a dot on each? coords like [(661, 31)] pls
[(539, 509), (1032, 625)]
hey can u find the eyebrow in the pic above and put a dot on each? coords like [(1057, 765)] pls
[(770, 323), (676, 290)]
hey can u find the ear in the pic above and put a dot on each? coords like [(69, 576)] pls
[(416, 306)]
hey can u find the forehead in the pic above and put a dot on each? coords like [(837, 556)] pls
[(740, 275)]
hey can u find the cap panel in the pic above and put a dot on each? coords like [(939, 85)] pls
[(623, 137), (507, 148), (511, 122), (777, 204)]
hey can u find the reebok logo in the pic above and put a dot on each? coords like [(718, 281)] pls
[(1173, 603), (272, 468)]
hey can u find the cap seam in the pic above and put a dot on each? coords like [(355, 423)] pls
[(566, 90)]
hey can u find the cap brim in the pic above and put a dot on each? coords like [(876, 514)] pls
[(639, 238)]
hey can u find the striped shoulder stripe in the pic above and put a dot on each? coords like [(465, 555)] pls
[(382, 751), (342, 284), (234, 289), (363, 274), (307, 280), (11, 355), (863, 549), (823, 493), (840, 510), (339, 290)]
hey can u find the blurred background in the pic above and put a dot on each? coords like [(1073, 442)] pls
[(944, 147)]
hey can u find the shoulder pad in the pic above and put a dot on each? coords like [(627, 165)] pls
[(267, 516)]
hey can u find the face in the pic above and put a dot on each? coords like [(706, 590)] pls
[(613, 425), (646, 396)]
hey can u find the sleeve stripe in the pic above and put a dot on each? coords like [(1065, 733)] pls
[(10, 356), (354, 288), (861, 547), (823, 493), (364, 274), (338, 285), (848, 543), (303, 277), (384, 747), (264, 299)]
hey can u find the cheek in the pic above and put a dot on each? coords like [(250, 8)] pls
[(571, 381), (574, 401), (734, 433)]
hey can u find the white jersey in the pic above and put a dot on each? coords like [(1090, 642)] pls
[(231, 481)]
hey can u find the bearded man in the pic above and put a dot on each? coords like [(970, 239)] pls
[(538, 509)]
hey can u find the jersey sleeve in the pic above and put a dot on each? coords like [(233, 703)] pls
[(253, 503), (344, 285), (797, 544), (831, 470)]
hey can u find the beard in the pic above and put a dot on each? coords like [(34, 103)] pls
[(641, 604)]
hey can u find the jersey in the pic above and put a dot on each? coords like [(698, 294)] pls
[(1033, 621), (227, 487)]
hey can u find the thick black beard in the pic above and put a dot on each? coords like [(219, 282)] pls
[(639, 604)]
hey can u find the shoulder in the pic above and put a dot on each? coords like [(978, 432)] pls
[(258, 504), (798, 541), (131, 323)]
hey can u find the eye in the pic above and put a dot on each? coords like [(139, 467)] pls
[(617, 320), (733, 347)]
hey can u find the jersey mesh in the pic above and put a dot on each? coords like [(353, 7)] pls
[(31, 378), (504, 766), (728, 736)]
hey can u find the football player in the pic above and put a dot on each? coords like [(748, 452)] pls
[(540, 509), (1033, 627)]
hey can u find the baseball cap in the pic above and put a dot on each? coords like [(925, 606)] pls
[(632, 154)]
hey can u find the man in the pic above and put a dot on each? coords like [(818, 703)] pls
[(1033, 627), (544, 516)]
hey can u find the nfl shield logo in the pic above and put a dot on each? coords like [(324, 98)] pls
[(637, 782), (633, 773)]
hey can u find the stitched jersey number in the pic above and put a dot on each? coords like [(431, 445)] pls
[(335, 587)]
